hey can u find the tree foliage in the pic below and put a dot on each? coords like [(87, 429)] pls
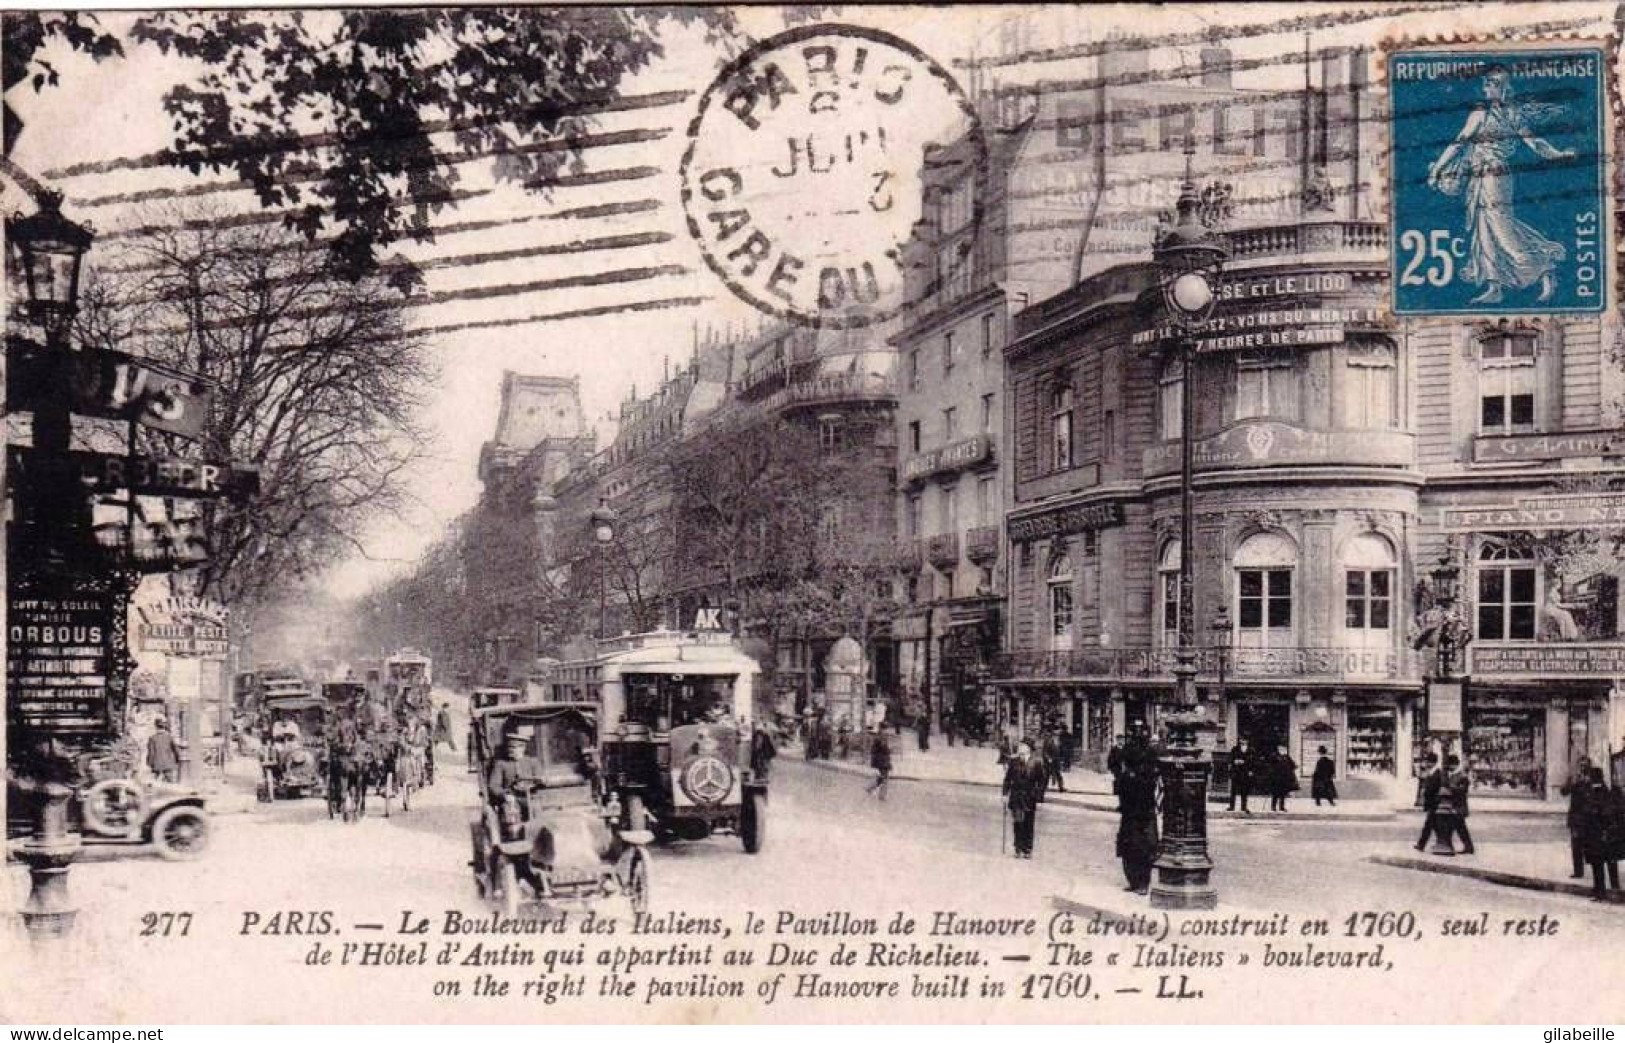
[(318, 382)]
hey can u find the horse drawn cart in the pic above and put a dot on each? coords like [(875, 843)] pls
[(547, 831)]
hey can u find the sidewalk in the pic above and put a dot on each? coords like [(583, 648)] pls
[(1092, 791), (1530, 867)]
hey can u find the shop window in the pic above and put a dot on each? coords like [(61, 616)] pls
[(1168, 595), (1264, 567), (1060, 603), (1508, 591), (1370, 385), (1171, 398), (1371, 741), (1061, 427), (1506, 382), (1267, 385)]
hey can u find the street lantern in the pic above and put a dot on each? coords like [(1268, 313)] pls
[(602, 522), (1446, 578), (1188, 255), (50, 249)]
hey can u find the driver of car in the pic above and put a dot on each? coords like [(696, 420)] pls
[(515, 766)]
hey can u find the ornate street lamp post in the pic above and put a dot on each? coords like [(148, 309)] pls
[(1188, 256), (603, 519), (54, 531)]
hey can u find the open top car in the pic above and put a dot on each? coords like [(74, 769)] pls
[(547, 830)]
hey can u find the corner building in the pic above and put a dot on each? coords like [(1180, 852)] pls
[(1339, 457)]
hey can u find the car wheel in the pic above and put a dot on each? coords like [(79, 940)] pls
[(181, 833), (753, 823), (635, 880)]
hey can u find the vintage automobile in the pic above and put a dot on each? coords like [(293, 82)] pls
[(110, 807), (546, 831), (295, 762), (674, 732)]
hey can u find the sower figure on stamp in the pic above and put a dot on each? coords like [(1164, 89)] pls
[(1137, 811), (1024, 779)]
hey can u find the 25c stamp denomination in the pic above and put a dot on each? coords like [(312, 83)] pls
[(801, 180), (1499, 180)]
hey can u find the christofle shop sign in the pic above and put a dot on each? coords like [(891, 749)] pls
[(953, 457), (1066, 521)]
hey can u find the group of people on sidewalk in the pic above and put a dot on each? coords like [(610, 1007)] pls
[(1276, 773), (1596, 821), (1444, 806)]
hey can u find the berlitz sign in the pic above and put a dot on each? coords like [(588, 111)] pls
[(952, 457), (1066, 521), (1562, 445)]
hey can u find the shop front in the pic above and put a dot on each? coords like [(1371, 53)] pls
[(1366, 732)]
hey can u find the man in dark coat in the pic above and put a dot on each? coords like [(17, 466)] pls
[(1432, 780), (922, 730), (1052, 762), (1114, 761), (1283, 778), (1024, 779), (762, 752), (880, 760), (1574, 789), (1241, 775), (163, 756), (1598, 834), (1137, 812), (1323, 784)]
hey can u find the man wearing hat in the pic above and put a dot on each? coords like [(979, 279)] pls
[(1024, 779), (163, 758), (515, 766)]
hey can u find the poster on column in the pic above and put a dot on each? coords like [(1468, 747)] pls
[(671, 515)]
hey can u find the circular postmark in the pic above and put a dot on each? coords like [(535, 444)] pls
[(808, 168)]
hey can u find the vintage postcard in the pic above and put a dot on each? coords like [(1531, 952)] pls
[(874, 514)]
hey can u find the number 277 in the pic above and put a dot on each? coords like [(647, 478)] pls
[(1432, 257)]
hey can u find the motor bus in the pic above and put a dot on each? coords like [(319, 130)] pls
[(674, 732)]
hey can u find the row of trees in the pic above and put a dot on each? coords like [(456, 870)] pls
[(750, 515)]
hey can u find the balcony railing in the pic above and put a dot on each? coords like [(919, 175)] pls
[(1309, 237), (1241, 664), (942, 550), (982, 544)]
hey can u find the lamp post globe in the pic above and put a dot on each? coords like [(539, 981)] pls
[(602, 522), (1191, 293), (603, 519)]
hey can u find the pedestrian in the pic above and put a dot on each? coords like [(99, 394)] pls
[(1283, 778), (1446, 811), (442, 728), (1432, 780), (1458, 782), (1574, 789), (762, 752), (880, 760), (1067, 746), (1023, 790), (1323, 785), (950, 726), (1052, 762), (1137, 811), (1114, 763), (1241, 775), (922, 728), (163, 756), (1004, 748), (1599, 834)]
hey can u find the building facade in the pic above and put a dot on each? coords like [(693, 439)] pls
[(1340, 457)]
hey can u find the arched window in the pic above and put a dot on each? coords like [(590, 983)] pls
[(1264, 567), (1368, 592), (1168, 595), (1508, 591), (1060, 602)]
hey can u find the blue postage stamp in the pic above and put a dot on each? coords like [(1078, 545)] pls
[(1499, 186)]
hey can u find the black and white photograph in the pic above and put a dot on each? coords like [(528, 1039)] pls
[(814, 514)]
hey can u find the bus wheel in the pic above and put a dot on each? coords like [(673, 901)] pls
[(753, 823)]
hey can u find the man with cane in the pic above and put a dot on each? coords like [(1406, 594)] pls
[(1024, 779)]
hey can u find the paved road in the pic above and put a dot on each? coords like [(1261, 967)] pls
[(831, 848)]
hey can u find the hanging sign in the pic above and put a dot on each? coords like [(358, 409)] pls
[(115, 385)]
